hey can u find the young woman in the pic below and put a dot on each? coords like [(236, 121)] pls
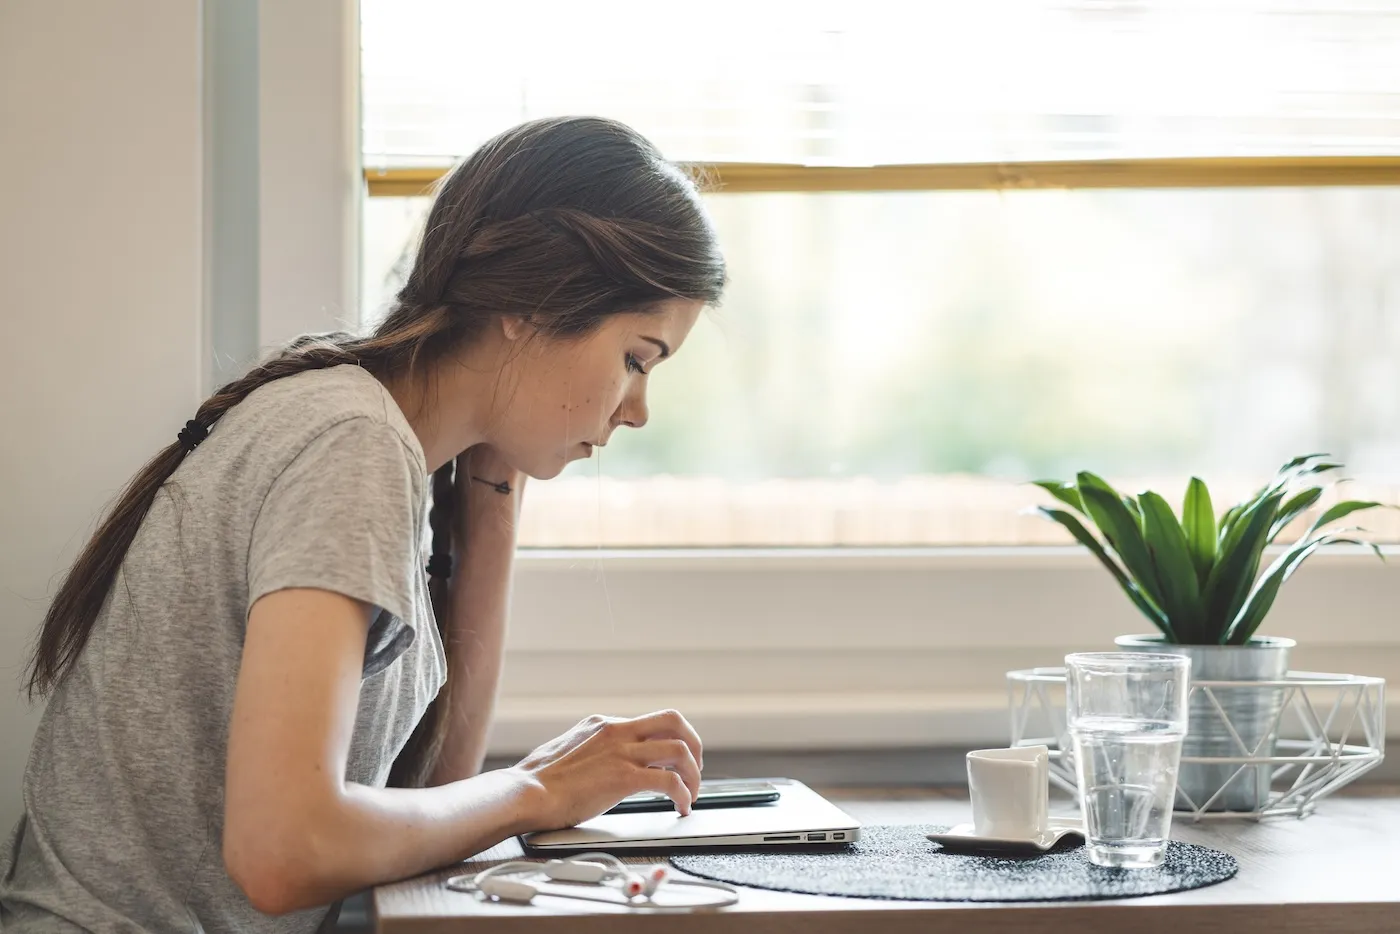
[(271, 671)]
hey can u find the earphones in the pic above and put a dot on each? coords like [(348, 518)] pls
[(637, 885)]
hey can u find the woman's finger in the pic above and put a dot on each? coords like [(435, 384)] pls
[(669, 754), (666, 782), (668, 724)]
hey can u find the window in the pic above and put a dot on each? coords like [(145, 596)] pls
[(889, 366), (972, 244)]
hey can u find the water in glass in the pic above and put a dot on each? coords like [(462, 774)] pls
[(1127, 776)]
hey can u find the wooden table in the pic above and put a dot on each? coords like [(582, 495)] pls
[(1336, 872)]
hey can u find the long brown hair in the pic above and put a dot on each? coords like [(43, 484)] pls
[(567, 220)]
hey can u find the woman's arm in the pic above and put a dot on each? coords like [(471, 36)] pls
[(298, 835), (481, 577)]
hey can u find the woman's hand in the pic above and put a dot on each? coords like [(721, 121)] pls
[(604, 759)]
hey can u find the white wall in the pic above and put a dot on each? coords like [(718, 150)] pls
[(284, 177), (311, 179), (181, 191), (100, 287)]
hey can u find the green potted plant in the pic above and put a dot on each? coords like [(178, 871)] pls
[(1197, 578)]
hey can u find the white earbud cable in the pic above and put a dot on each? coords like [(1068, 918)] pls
[(634, 885)]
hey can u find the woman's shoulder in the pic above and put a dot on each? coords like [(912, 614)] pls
[(300, 408)]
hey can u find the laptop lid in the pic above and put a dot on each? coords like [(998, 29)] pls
[(799, 816)]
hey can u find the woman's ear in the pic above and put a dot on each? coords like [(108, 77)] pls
[(517, 327)]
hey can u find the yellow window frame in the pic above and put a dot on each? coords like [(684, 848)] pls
[(1231, 172)]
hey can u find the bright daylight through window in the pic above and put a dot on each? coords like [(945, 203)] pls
[(891, 367)]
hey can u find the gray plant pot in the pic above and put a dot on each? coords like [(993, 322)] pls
[(1253, 712)]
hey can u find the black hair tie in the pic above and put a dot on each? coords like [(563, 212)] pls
[(440, 566), (191, 435)]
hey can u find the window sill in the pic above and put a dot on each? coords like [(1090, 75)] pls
[(849, 648), (788, 721), (791, 723), (821, 559)]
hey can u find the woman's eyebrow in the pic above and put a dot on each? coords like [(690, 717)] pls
[(665, 350)]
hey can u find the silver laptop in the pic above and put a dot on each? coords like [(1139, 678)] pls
[(799, 816)]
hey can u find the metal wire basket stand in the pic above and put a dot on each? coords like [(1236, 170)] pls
[(1330, 729)]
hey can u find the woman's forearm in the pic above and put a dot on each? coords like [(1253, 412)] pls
[(400, 832), (480, 603), (367, 836)]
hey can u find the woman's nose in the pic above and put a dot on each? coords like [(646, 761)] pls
[(633, 411)]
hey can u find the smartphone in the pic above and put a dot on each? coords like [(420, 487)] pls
[(715, 793)]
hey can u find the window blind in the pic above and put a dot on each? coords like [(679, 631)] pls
[(889, 81)]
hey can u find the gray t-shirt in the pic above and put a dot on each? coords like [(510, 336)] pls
[(315, 480)]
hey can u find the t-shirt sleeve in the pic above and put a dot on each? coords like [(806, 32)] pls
[(343, 516)]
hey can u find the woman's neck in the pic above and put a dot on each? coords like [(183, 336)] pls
[(447, 407)]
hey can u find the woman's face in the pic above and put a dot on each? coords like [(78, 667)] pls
[(561, 397)]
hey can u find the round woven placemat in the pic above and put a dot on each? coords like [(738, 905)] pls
[(897, 862)]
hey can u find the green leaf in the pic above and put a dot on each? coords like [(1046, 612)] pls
[(1316, 469), (1233, 575), (1175, 568), (1120, 528), (1261, 597), (1293, 470), (1133, 507), (1294, 507), (1086, 538), (1064, 491), (1227, 521), (1198, 522), (1338, 510), (1300, 460)]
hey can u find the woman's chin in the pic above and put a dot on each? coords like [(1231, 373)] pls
[(547, 471)]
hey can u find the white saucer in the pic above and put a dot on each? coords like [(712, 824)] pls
[(961, 837)]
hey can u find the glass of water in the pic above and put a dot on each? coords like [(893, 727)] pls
[(1126, 714)]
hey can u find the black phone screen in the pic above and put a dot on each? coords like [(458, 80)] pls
[(717, 793)]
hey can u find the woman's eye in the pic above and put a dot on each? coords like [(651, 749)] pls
[(635, 365)]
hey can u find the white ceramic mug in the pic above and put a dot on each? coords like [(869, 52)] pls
[(1010, 791)]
